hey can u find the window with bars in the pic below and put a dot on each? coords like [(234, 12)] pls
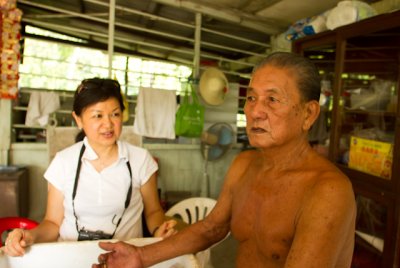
[(60, 67)]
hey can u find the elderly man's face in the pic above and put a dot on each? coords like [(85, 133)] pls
[(274, 111)]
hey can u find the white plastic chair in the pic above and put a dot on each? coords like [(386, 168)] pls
[(191, 210)]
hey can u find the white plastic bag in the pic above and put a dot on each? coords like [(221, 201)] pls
[(347, 12)]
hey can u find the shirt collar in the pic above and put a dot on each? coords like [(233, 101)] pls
[(90, 154), (122, 151)]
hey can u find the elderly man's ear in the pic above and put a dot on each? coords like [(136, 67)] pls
[(312, 110)]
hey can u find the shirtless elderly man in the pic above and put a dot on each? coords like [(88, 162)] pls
[(286, 205)]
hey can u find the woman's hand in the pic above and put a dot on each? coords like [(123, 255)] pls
[(166, 229), (17, 241)]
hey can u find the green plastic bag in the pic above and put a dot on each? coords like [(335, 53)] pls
[(189, 120)]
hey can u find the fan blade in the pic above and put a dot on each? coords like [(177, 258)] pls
[(225, 136), (209, 138), (214, 153)]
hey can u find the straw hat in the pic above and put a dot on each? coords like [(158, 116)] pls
[(213, 86)]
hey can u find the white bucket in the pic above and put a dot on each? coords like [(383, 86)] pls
[(79, 255)]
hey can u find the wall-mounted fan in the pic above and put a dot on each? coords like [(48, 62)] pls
[(215, 142)]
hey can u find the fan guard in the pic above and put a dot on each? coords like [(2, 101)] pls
[(215, 142)]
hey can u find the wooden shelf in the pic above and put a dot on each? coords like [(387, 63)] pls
[(370, 47), (63, 115), (369, 113)]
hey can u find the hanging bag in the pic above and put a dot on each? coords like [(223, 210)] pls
[(189, 119)]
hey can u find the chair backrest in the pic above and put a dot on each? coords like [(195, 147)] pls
[(192, 209), (9, 223)]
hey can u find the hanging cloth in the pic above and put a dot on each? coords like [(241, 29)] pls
[(155, 113), (40, 106)]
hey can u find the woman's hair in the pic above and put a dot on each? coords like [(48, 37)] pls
[(308, 79), (92, 91)]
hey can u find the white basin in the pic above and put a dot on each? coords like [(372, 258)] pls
[(79, 255)]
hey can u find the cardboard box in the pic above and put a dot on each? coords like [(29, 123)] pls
[(372, 157)]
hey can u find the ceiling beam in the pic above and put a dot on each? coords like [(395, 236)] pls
[(226, 15), (133, 43), (125, 40)]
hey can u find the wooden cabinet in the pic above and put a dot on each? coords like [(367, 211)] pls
[(15, 191), (360, 68)]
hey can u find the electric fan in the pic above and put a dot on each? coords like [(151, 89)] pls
[(215, 142)]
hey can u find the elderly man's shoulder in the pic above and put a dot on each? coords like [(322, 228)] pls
[(330, 177), (328, 169), (249, 153), (247, 156), (323, 173)]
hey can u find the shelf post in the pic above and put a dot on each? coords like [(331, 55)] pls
[(5, 126)]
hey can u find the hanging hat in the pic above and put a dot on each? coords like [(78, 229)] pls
[(213, 86)]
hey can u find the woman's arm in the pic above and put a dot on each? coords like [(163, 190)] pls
[(46, 231), (154, 214)]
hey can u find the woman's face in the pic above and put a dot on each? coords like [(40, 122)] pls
[(102, 122)]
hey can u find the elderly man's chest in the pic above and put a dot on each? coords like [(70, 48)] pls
[(264, 215)]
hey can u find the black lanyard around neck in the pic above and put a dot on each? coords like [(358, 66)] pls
[(78, 170)]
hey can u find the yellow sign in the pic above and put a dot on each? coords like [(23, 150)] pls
[(372, 157)]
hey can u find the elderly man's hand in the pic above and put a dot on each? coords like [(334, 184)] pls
[(119, 255)]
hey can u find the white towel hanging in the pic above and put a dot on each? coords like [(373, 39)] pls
[(155, 113), (41, 105)]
